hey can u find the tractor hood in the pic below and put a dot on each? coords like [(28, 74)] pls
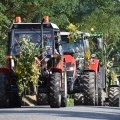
[(70, 65)]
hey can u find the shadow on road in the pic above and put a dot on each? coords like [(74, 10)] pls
[(68, 112)]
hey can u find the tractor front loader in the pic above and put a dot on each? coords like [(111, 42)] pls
[(52, 81)]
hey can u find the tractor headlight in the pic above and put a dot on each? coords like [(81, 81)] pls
[(12, 63), (70, 68)]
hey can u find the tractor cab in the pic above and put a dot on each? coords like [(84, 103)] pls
[(76, 48), (44, 35)]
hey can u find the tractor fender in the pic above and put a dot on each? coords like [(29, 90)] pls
[(70, 62), (94, 65), (5, 70)]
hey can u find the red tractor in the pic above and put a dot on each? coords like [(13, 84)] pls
[(85, 79), (52, 80)]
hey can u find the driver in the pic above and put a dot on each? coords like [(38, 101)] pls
[(49, 51), (34, 38), (49, 48)]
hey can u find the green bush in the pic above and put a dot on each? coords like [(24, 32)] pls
[(70, 102), (26, 70), (2, 55)]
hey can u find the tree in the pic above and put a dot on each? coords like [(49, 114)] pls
[(100, 14)]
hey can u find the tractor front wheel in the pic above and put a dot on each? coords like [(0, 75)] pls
[(64, 93), (88, 79), (78, 99), (3, 98), (101, 97), (55, 95)]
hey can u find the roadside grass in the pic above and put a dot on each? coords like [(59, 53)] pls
[(70, 101)]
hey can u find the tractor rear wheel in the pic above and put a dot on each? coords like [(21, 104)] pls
[(78, 99), (14, 100), (3, 97), (64, 93), (55, 95), (114, 95), (88, 79)]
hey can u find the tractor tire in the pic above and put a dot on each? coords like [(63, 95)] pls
[(64, 93), (100, 97), (55, 95), (42, 99), (3, 98), (78, 99), (14, 100), (88, 79), (114, 96)]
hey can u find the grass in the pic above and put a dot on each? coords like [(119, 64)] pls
[(70, 102)]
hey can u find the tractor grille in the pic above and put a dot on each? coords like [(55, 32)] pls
[(70, 73)]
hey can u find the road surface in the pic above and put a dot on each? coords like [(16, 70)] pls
[(68, 113)]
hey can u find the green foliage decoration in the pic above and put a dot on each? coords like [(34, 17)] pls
[(2, 55), (26, 70), (74, 33), (113, 76)]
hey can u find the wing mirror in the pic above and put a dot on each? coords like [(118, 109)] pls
[(99, 43)]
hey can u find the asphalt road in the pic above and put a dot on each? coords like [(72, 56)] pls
[(68, 113)]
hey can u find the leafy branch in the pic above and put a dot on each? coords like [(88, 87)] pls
[(26, 70)]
